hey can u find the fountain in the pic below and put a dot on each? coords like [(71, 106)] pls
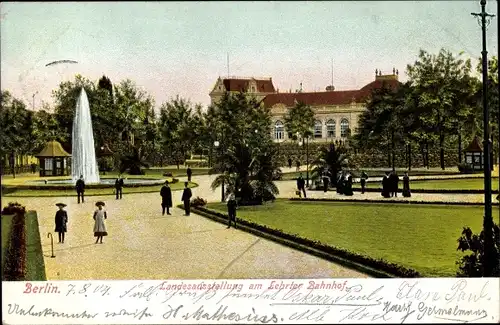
[(83, 151)]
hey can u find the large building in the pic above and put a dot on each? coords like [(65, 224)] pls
[(336, 112)]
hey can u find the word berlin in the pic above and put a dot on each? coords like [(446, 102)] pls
[(202, 286)]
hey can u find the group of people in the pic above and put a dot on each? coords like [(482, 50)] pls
[(344, 183), (390, 185), (166, 198), (61, 221)]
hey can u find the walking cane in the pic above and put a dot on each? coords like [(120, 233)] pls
[(51, 243)]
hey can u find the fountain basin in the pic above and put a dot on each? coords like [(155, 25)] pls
[(66, 184)]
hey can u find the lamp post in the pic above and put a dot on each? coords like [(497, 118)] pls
[(216, 145), (488, 219)]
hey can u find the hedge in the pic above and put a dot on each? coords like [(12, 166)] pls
[(15, 261), (375, 267), (87, 186)]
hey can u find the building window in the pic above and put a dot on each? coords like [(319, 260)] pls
[(330, 128), (279, 130), (344, 128), (318, 129)]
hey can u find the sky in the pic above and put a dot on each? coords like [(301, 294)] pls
[(181, 48)]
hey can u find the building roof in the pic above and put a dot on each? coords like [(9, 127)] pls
[(474, 146), (53, 149), (342, 97), (263, 85)]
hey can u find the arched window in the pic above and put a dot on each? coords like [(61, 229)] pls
[(318, 129), (344, 128), (330, 129), (279, 130)]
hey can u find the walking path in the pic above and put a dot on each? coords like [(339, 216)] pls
[(143, 244)]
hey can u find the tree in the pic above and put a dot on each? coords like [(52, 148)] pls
[(299, 120), (45, 128), (245, 161), (439, 81), (334, 159), (175, 128), (105, 83)]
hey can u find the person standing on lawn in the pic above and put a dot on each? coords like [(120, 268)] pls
[(186, 197), (231, 209), (189, 173), (166, 198), (61, 221), (99, 227), (80, 189), (301, 186)]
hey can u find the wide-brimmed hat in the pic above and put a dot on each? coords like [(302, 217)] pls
[(60, 205), (98, 203)]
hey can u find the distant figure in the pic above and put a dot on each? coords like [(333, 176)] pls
[(301, 186), (80, 189), (339, 185), (231, 209), (326, 180), (186, 197), (189, 172), (297, 163), (61, 222), (166, 198), (364, 177), (394, 181), (348, 185), (99, 226), (386, 185), (289, 162), (33, 168), (119, 187), (406, 185)]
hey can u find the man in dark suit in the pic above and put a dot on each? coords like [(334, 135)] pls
[(394, 181), (364, 177), (189, 173), (289, 162), (231, 209), (301, 186), (186, 197), (326, 179), (80, 189), (119, 187), (166, 198)]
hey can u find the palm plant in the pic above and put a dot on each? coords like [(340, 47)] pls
[(134, 162), (333, 159)]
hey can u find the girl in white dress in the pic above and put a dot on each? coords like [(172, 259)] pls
[(99, 226)]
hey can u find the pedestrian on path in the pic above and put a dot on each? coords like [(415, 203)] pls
[(166, 198), (231, 209), (340, 181), (186, 197), (385, 185), (394, 181), (99, 227), (348, 185), (364, 177), (406, 185), (61, 221), (80, 189), (119, 187), (289, 162), (326, 179), (189, 173), (301, 186)]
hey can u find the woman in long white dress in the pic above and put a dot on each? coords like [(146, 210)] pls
[(99, 226)]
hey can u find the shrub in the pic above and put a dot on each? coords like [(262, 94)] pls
[(198, 202), (168, 174), (14, 208), (15, 261), (464, 168), (472, 265), (174, 180)]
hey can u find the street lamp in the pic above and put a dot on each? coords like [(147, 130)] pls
[(216, 145), (488, 219)]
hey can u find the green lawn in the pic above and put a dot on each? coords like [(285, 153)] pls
[(422, 237), (447, 184), (6, 228), (35, 267), (92, 191)]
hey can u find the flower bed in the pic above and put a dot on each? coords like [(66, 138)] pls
[(375, 267), (15, 261)]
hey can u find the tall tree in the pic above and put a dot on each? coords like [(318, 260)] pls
[(105, 83), (438, 80), (299, 120)]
